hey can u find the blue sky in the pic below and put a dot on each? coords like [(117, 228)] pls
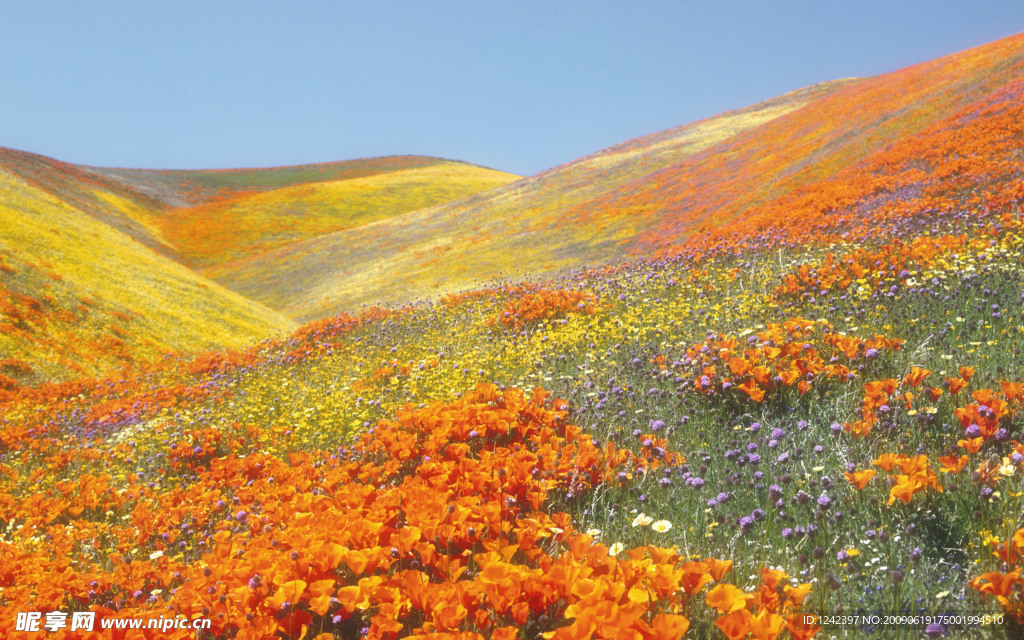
[(519, 86)]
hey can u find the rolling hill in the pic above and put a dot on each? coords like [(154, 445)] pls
[(96, 263), (180, 188), (502, 231), (80, 297), (826, 151), (241, 227)]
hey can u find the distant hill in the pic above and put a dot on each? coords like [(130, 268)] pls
[(96, 264), (244, 226), (505, 230), (312, 241), (176, 188), (80, 297), (723, 179)]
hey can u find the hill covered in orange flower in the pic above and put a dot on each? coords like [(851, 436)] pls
[(812, 160)]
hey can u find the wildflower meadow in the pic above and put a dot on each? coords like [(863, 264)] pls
[(804, 423)]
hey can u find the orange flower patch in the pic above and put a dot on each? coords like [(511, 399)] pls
[(868, 266), (910, 475), (763, 614), (796, 353), (431, 524), (545, 304)]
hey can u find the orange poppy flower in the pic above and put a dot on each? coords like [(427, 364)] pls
[(739, 366), (751, 388), (766, 625), (905, 488), (578, 630), (860, 479), (505, 633), (956, 385), (735, 625), (885, 461), (288, 592), (916, 376), (952, 464), (448, 614), (761, 374), (912, 466), (718, 568), (795, 595), (995, 583), (983, 396), (971, 445), (667, 626), (1011, 390), (352, 598), (727, 598), (321, 591), (789, 376), (695, 576)]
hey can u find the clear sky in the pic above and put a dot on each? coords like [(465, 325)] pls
[(517, 85)]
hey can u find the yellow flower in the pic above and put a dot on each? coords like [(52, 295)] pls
[(1008, 468)]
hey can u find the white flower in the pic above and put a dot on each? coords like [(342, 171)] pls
[(616, 549), (155, 555), (661, 526), (642, 520), (593, 533)]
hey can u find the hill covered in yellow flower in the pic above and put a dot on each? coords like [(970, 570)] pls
[(237, 228), (80, 297), (97, 265), (312, 241)]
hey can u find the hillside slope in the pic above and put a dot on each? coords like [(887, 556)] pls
[(247, 225), (79, 297), (179, 188), (109, 201), (93, 261), (505, 230), (726, 175)]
